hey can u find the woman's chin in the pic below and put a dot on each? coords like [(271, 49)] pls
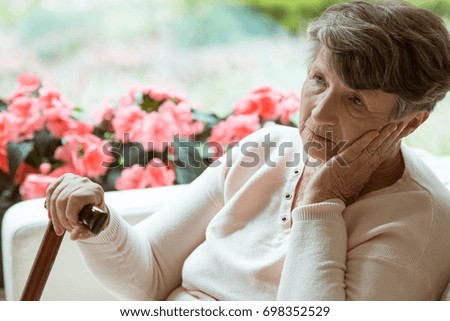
[(318, 149), (316, 157)]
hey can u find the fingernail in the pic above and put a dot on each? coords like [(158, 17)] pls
[(375, 134)]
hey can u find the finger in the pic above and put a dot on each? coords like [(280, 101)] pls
[(92, 194), (50, 190), (52, 187), (355, 150), (77, 233), (401, 132), (54, 209), (80, 232), (407, 130), (385, 133), (392, 139), (63, 205)]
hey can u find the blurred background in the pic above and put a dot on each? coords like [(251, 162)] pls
[(213, 52)]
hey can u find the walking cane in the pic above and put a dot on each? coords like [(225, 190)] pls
[(91, 216)]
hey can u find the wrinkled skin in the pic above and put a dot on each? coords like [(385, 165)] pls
[(352, 141)]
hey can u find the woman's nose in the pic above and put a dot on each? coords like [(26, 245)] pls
[(325, 110)]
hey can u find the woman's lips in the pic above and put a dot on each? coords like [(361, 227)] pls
[(321, 137)]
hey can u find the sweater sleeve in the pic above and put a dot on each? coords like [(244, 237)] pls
[(318, 268), (314, 266), (144, 262)]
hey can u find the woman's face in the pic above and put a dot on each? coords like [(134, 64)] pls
[(332, 116)]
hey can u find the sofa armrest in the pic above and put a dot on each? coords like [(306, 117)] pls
[(24, 225)]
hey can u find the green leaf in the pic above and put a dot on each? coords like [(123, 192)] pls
[(46, 143), (109, 179), (188, 164), (294, 119), (149, 105), (5, 181), (133, 153), (3, 105), (8, 198), (17, 153), (77, 112), (210, 119), (6, 201)]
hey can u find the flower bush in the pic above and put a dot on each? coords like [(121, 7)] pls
[(132, 143)]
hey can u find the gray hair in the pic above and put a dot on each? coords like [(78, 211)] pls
[(392, 46)]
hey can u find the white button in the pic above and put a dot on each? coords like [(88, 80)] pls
[(288, 196), (284, 219), (296, 171)]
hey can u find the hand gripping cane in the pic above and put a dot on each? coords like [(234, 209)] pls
[(91, 216)]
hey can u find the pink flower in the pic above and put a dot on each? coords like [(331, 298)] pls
[(50, 97), (28, 83), (45, 168), (57, 111), (131, 178), (289, 105), (83, 128), (8, 129), (129, 98), (127, 123), (59, 122), (105, 113), (23, 171), (232, 130), (261, 101), (4, 160), (27, 116), (158, 174), (35, 185), (157, 132), (85, 154), (68, 168), (180, 118), (160, 94)]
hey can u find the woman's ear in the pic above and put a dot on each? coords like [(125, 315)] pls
[(415, 120)]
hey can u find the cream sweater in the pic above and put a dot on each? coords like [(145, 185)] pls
[(233, 236)]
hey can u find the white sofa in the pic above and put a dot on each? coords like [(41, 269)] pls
[(24, 225)]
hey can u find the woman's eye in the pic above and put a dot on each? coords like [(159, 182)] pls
[(357, 101), (319, 80)]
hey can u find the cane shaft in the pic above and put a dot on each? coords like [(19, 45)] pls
[(42, 265), (92, 217)]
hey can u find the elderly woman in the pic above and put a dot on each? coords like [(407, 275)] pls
[(356, 217)]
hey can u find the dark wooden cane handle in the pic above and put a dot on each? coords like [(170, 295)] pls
[(94, 218), (91, 216)]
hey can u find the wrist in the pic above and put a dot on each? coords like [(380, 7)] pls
[(310, 200), (315, 198)]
